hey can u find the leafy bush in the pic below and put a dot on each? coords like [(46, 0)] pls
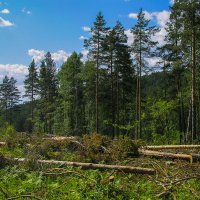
[(7, 131)]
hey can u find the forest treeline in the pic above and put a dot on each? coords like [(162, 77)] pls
[(115, 91)]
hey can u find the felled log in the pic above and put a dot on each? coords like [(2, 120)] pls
[(92, 166), (163, 147), (2, 143), (190, 158), (59, 138)]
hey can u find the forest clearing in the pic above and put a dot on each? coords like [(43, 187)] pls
[(94, 166), (116, 117)]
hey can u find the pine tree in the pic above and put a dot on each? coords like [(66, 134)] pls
[(48, 92), (87, 75), (95, 46), (31, 86), (118, 58), (188, 15), (71, 92), (142, 48), (9, 96)]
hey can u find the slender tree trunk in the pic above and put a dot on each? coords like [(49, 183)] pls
[(139, 94), (184, 119), (188, 125), (180, 111), (137, 104), (112, 94), (117, 101), (32, 107), (194, 134), (97, 89), (123, 107)]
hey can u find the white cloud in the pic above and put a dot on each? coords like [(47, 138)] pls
[(17, 71), (133, 15), (5, 23), (82, 37), (160, 36), (130, 37), (59, 57), (147, 15), (171, 2), (86, 28), (161, 17), (5, 11), (85, 53), (28, 12), (153, 62), (37, 55), (13, 69)]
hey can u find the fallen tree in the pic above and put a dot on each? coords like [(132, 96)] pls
[(191, 158), (86, 166), (164, 147), (59, 138), (2, 143)]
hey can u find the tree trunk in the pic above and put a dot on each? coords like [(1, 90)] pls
[(164, 147), (166, 155), (117, 101), (137, 106), (193, 133), (112, 94), (97, 89), (91, 166)]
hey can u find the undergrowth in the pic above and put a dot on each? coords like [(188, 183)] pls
[(49, 183)]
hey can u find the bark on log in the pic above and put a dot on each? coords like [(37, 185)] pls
[(59, 138), (172, 147), (167, 155), (125, 169), (2, 143)]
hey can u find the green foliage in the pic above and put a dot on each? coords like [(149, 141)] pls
[(71, 92), (95, 145), (7, 131), (122, 148), (17, 181)]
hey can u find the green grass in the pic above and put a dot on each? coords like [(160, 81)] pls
[(31, 178)]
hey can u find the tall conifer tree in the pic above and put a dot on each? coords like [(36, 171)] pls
[(95, 46), (142, 48)]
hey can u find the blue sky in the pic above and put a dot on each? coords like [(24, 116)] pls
[(29, 28)]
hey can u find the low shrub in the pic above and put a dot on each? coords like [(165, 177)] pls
[(122, 148), (95, 147)]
